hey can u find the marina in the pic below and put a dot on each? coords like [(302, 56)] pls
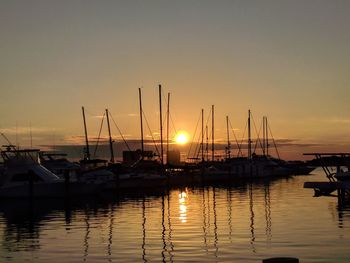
[(45, 174), (36, 181), (174, 131)]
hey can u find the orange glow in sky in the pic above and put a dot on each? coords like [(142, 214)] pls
[(262, 59)]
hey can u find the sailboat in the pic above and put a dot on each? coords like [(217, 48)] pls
[(94, 171), (257, 165), (146, 171)]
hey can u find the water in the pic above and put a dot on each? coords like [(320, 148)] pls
[(244, 223)]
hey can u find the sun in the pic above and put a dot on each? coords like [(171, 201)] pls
[(181, 137)]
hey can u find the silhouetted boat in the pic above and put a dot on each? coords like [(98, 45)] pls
[(252, 166), (23, 176), (143, 174), (59, 164), (297, 167), (92, 170)]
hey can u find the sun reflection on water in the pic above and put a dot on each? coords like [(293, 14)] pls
[(183, 201)]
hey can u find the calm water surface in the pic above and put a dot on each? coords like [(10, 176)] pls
[(244, 223)]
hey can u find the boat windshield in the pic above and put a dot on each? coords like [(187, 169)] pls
[(20, 155)]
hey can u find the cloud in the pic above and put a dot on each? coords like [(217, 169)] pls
[(26, 130), (124, 135), (332, 120), (123, 115), (221, 143), (74, 139), (339, 120), (98, 116)]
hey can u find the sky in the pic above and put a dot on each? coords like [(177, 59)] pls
[(287, 60)]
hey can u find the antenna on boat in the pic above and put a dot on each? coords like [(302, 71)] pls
[(53, 140), (86, 136), (110, 138), (212, 132), (30, 134), (249, 138), (10, 145), (17, 146), (161, 124), (140, 101)]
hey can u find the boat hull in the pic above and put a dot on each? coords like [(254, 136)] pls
[(41, 190)]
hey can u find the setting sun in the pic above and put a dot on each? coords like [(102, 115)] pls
[(181, 137)]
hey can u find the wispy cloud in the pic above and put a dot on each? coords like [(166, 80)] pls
[(98, 116), (333, 120), (339, 120), (74, 139), (123, 115), (124, 135), (26, 130)]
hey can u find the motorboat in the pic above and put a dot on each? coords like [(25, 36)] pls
[(59, 165), (142, 174), (22, 175), (93, 171), (96, 171)]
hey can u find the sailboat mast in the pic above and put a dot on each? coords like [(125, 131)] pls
[(267, 137), (110, 137), (249, 138), (212, 132), (167, 128), (161, 124), (264, 137), (228, 139), (207, 143), (202, 135), (140, 101), (86, 136)]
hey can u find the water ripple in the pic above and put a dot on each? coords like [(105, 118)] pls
[(242, 223)]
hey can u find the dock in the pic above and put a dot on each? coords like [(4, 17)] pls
[(332, 187), (327, 188)]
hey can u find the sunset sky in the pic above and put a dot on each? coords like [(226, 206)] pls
[(288, 60)]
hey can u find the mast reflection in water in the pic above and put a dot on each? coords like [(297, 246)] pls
[(182, 206), (208, 224)]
